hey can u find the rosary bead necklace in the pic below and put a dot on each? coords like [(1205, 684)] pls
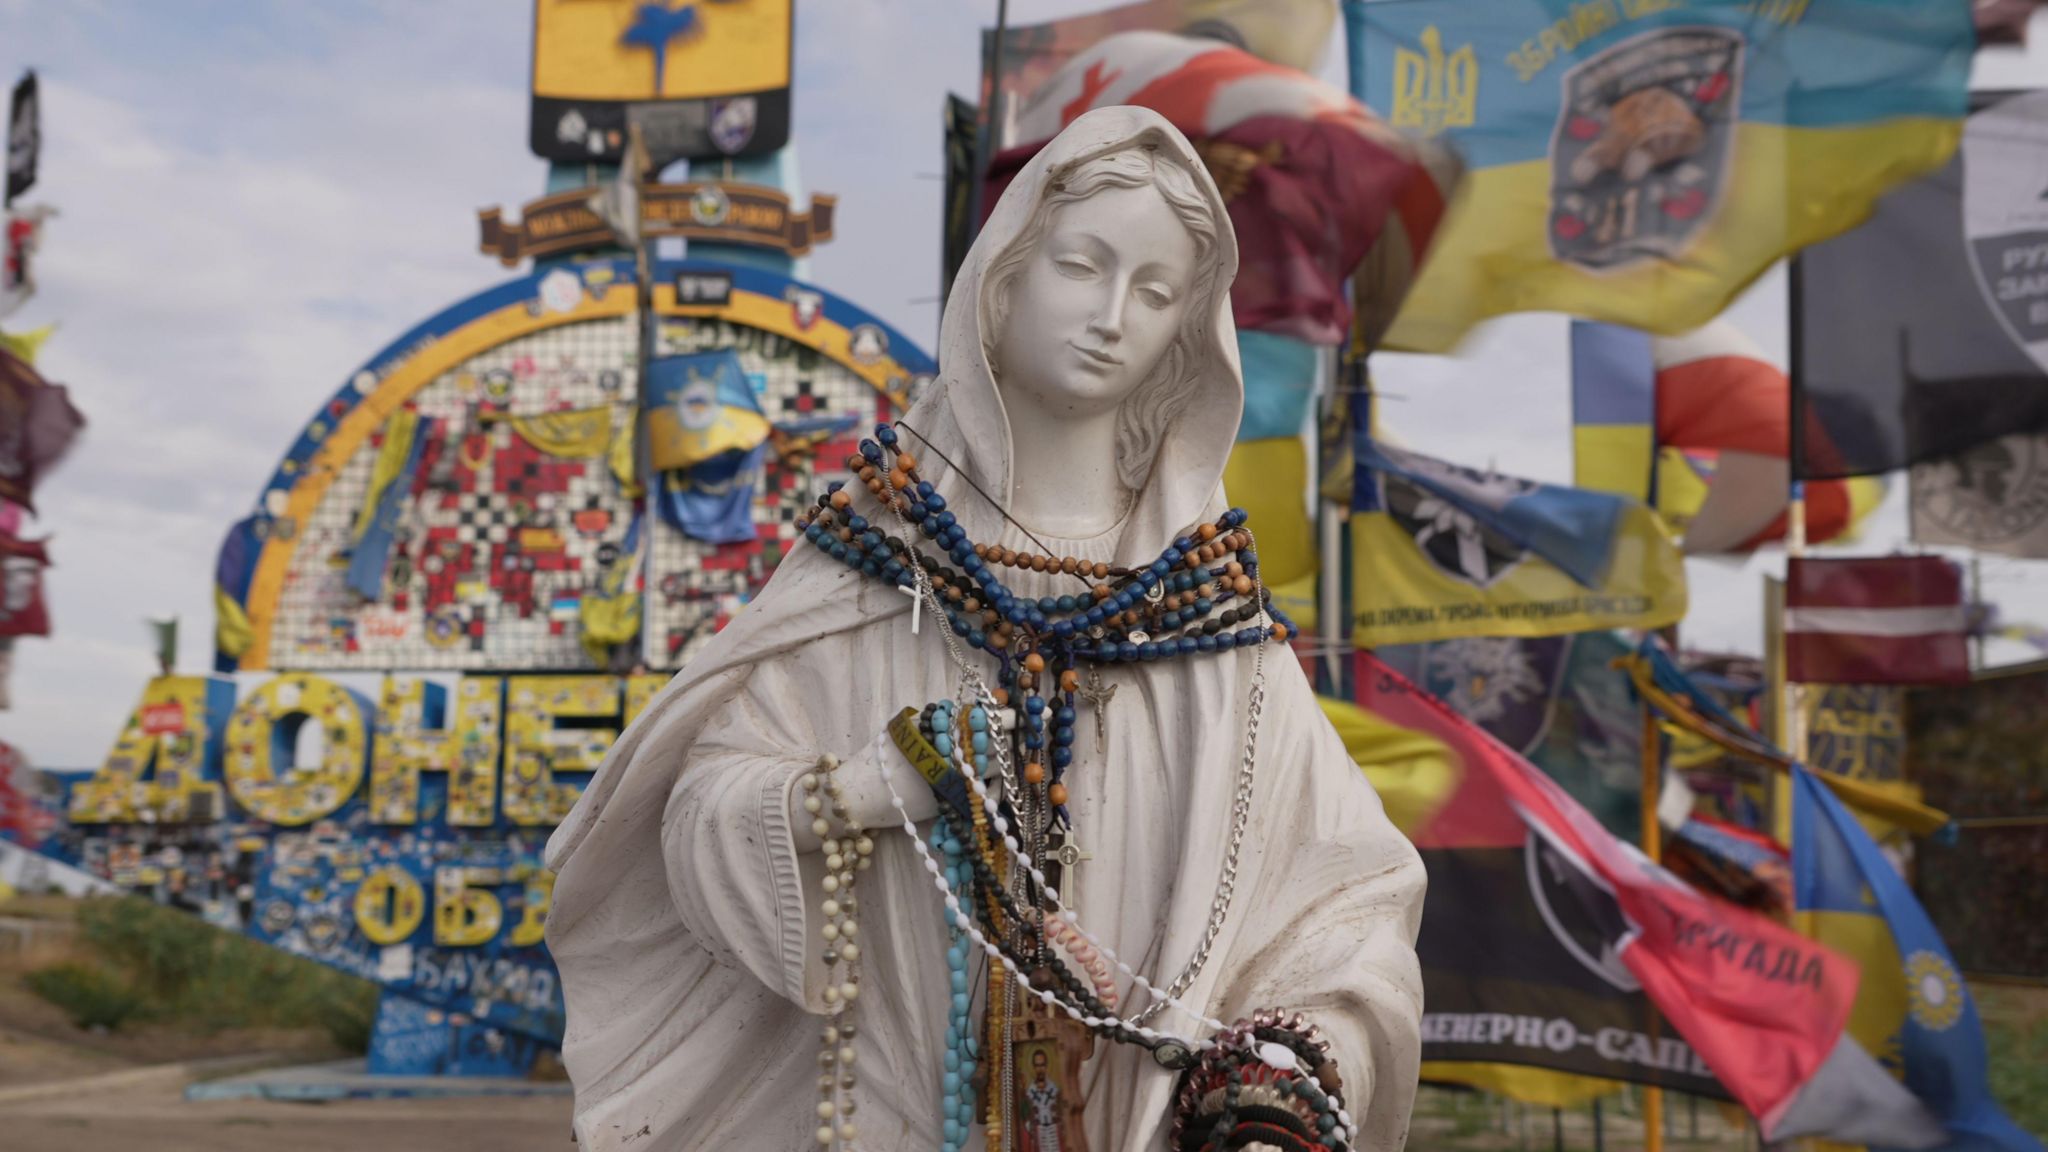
[(987, 856)]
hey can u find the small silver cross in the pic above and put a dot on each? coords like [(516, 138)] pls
[(1070, 855), (916, 605), (1098, 694)]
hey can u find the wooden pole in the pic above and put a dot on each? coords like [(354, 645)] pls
[(1653, 847), (1784, 697)]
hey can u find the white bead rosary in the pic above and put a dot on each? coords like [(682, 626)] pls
[(850, 852)]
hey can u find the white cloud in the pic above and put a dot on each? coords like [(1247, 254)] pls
[(247, 214)]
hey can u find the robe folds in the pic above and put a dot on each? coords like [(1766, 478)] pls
[(685, 917)]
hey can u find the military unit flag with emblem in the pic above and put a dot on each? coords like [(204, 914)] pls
[(1923, 334), (1441, 551), (1993, 498), (1557, 701), (1550, 943), (1641, 161)]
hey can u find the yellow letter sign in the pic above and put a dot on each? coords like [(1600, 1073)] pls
[(261, 775), (465, 747), (537, 751)]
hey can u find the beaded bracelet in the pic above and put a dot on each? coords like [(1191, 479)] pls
[(1269, 1080), (846, 854)]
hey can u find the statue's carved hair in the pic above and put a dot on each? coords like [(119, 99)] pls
[(1141, 421)]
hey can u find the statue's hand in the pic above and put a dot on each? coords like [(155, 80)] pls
[(864, 781)]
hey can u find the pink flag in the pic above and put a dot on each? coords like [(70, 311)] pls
[(1877, 620)]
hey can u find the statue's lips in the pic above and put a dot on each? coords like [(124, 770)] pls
[(1095, 355)]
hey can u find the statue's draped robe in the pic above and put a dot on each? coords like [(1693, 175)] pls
[(685, 918)]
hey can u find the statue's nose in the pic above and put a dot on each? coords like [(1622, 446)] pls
[(1108, 323)]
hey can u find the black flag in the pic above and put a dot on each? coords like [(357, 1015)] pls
[(1924, 332), (24, 137), (963, 124)]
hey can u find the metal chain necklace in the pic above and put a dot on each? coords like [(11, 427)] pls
[(1240, 820)]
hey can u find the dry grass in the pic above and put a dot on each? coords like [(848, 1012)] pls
[(204, 993)]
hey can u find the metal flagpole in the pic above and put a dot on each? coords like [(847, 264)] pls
[(1351, 384), (1791, 712), (991, 116), (1330, 617)]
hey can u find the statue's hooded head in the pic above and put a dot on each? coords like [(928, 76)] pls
[(1102, 301), (1102, 281)]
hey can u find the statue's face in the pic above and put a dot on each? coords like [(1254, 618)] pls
[(1094, 309)]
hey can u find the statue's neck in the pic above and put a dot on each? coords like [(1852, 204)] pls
[(1063, 471)]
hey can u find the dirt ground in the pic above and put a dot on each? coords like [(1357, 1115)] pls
[(160, 1119)]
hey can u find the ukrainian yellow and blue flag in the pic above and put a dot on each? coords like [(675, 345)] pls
[(1913, 1010), (698, 408), (1614, 410), (1641, 161)]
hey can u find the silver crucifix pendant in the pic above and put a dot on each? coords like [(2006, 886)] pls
[(1098, 696)]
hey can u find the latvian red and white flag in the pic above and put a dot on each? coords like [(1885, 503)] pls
[(1882, 620)]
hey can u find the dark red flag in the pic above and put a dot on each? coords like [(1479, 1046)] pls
[(2003, 21), (1875, 620), (37, 425), (22, 612)]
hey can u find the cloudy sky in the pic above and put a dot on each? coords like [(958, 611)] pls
[(256, 195)]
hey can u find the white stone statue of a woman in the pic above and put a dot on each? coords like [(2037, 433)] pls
[(1089, 387)]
